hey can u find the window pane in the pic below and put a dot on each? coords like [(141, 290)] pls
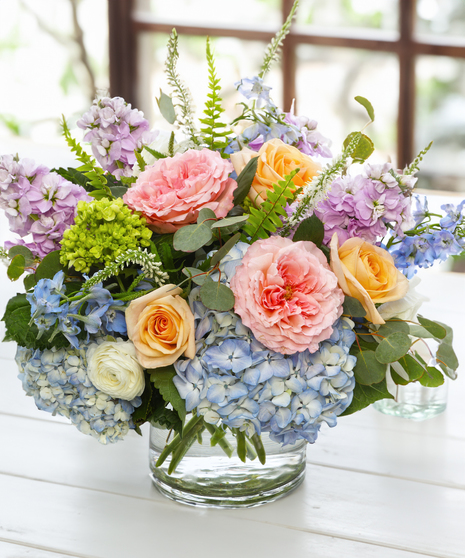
[(372, 14), (441, 17), (234, 58), (440, 116), (215, 12), (328, 79)]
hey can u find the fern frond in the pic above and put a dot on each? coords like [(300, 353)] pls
[(273, 49), (214, 132), (315, 191), (89, 167), (267, 219), (180, 90), (415, 164)]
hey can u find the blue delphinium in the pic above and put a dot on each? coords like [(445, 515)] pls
[(433, 242), (51, 307), (57, 380), (235, 379)]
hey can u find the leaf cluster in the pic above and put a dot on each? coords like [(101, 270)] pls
[(393, 345)]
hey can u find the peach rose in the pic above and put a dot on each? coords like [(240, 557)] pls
[(367, 273), (275, 160), (161, 326), (172, 191)]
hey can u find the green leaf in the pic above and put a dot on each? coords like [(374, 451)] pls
[(162, 379), (432, 378), (393, 347), (221, 253), (30, 281), (369, 107), (49, 266), (449, 361), (411, 367), (311, 229), (366, 395), (192, 237), (229, 221), (74, 176), (25, 252), (206, 216), (139, 416), (118, 191), (166, 418), (364, 148), (155, 153), (393, 325), (165, 104), (16, 267), (420, 332), (436, 330), (368, 369), (244, 181), (197, 275), (217, 296), (353, 307)]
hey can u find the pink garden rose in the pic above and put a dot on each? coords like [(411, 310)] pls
[(171, 192), (287, 294)]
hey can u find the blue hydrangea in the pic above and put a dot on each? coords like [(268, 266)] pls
[(57, 380), (236, 380)]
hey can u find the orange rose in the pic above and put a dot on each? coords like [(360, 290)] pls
[(368, 274), (161, 326), (275, 160)]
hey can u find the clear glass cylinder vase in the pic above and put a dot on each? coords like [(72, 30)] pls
[(207, 477), (415, 402)]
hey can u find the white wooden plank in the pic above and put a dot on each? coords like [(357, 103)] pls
[(100, 525), (11, 550), (119, 468)]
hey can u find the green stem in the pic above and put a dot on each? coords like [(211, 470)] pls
[(186, 443), (136, 281), (218, 437), (241, 445), (176, 441), (120, 283), (258, 445)]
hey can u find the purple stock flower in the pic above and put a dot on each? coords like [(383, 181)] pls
[(115, 131)]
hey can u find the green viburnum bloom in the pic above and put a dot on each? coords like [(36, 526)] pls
[(103, 229)]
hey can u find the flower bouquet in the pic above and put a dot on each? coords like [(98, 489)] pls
[(234, 286)]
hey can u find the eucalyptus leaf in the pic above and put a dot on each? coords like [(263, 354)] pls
[(432, 377), (165, 104), (393, 347), (368, 369), (420, 332), (229, 221), (25, 252), (353, 307), (198, 276), (437, 330), (118, 191), (16, 267), (311, 229), (221, 253), (446, 355), (393, 325), (364, 148), (411, 367), (244, 181), (368, 106), (192, 237), (206, 216), (217, 296)]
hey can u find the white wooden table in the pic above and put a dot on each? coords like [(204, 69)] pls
[(376, 486)]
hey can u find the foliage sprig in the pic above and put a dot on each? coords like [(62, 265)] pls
[(415, 164)]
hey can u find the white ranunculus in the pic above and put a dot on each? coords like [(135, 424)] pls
[(113, 369), (405, 308)]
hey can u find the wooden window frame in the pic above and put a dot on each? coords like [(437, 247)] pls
[(125, 24)]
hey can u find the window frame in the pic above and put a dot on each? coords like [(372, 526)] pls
[(125, 24)]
